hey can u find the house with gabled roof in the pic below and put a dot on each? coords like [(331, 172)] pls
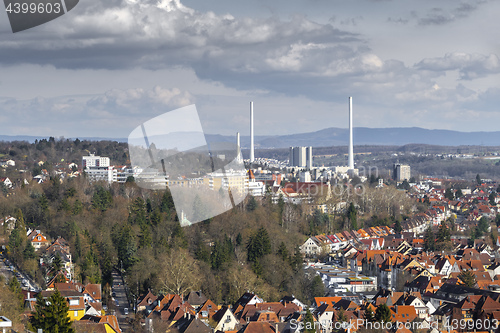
[(75, 301), (330, 300), (403, 313), (325, 314), (38, 240), (146, 301), (191, 324), (294, 300), (225, 320), (92, 293), (249, 298), (258, 327), (196, 298), (207, 310), (6, 181)]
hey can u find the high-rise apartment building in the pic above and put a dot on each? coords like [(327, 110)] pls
[(301, 157), (401, 172)]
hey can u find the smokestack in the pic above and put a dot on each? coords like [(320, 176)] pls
[(351, 154), (252, 156), (238, 147)]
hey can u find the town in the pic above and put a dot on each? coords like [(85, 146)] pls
[(329, 245)]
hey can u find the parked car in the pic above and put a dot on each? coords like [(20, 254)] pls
[(125, 311)]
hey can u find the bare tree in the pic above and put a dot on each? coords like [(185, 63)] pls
[(241, 279), (179, 273)]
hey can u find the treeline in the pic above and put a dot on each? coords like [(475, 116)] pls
[(252, 247), (59, 151)]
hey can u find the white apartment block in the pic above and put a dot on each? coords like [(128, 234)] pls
[(93, 161)]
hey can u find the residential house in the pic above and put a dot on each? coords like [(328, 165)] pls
[(75, 301), (6, 181), (225, 320), (38, 240)]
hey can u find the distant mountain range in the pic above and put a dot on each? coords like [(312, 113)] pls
[(394, 136), (397, 136)]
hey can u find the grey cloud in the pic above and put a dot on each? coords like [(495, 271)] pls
[(99, 115), (399, 20), (440, 16), (469, 66)]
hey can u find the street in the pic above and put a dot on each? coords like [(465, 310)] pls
[(121, 303), (8, 270)]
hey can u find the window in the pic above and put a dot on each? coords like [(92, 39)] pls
[(75, 313), (74, 302)]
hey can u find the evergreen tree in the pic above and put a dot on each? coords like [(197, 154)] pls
[(101, 199), (252, 204), (20, 224), (397, 227), (491, 198), (497, 220), (167, 202), (199, 209), (239, 238), (468, 278), (369, 316), (51, 315), (222, 252), (443, 233), (282, 252), (77, 207), (296, 260), (459, 194), (137, 212), (145, 238), (478, 179), (258, 245), (57, 263), (202, 252), (429, 240), (383, 313), (29, 251), (309, 322), (341, 315), (317, 287), (178, 237), (352, 216), (483, 225)]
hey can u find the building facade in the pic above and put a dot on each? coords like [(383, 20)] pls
[(401, 172)]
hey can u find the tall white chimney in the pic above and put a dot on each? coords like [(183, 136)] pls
[(351, 154), (252, 156), (238, 147)]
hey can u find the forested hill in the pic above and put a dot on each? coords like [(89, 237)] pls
[(54, 151)]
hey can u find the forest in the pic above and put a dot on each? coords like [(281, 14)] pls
[(125, 227)]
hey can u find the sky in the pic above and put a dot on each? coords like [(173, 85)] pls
[(105, 67)]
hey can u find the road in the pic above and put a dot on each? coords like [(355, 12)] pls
[(8, 270), (5, 271), (121, 303)]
